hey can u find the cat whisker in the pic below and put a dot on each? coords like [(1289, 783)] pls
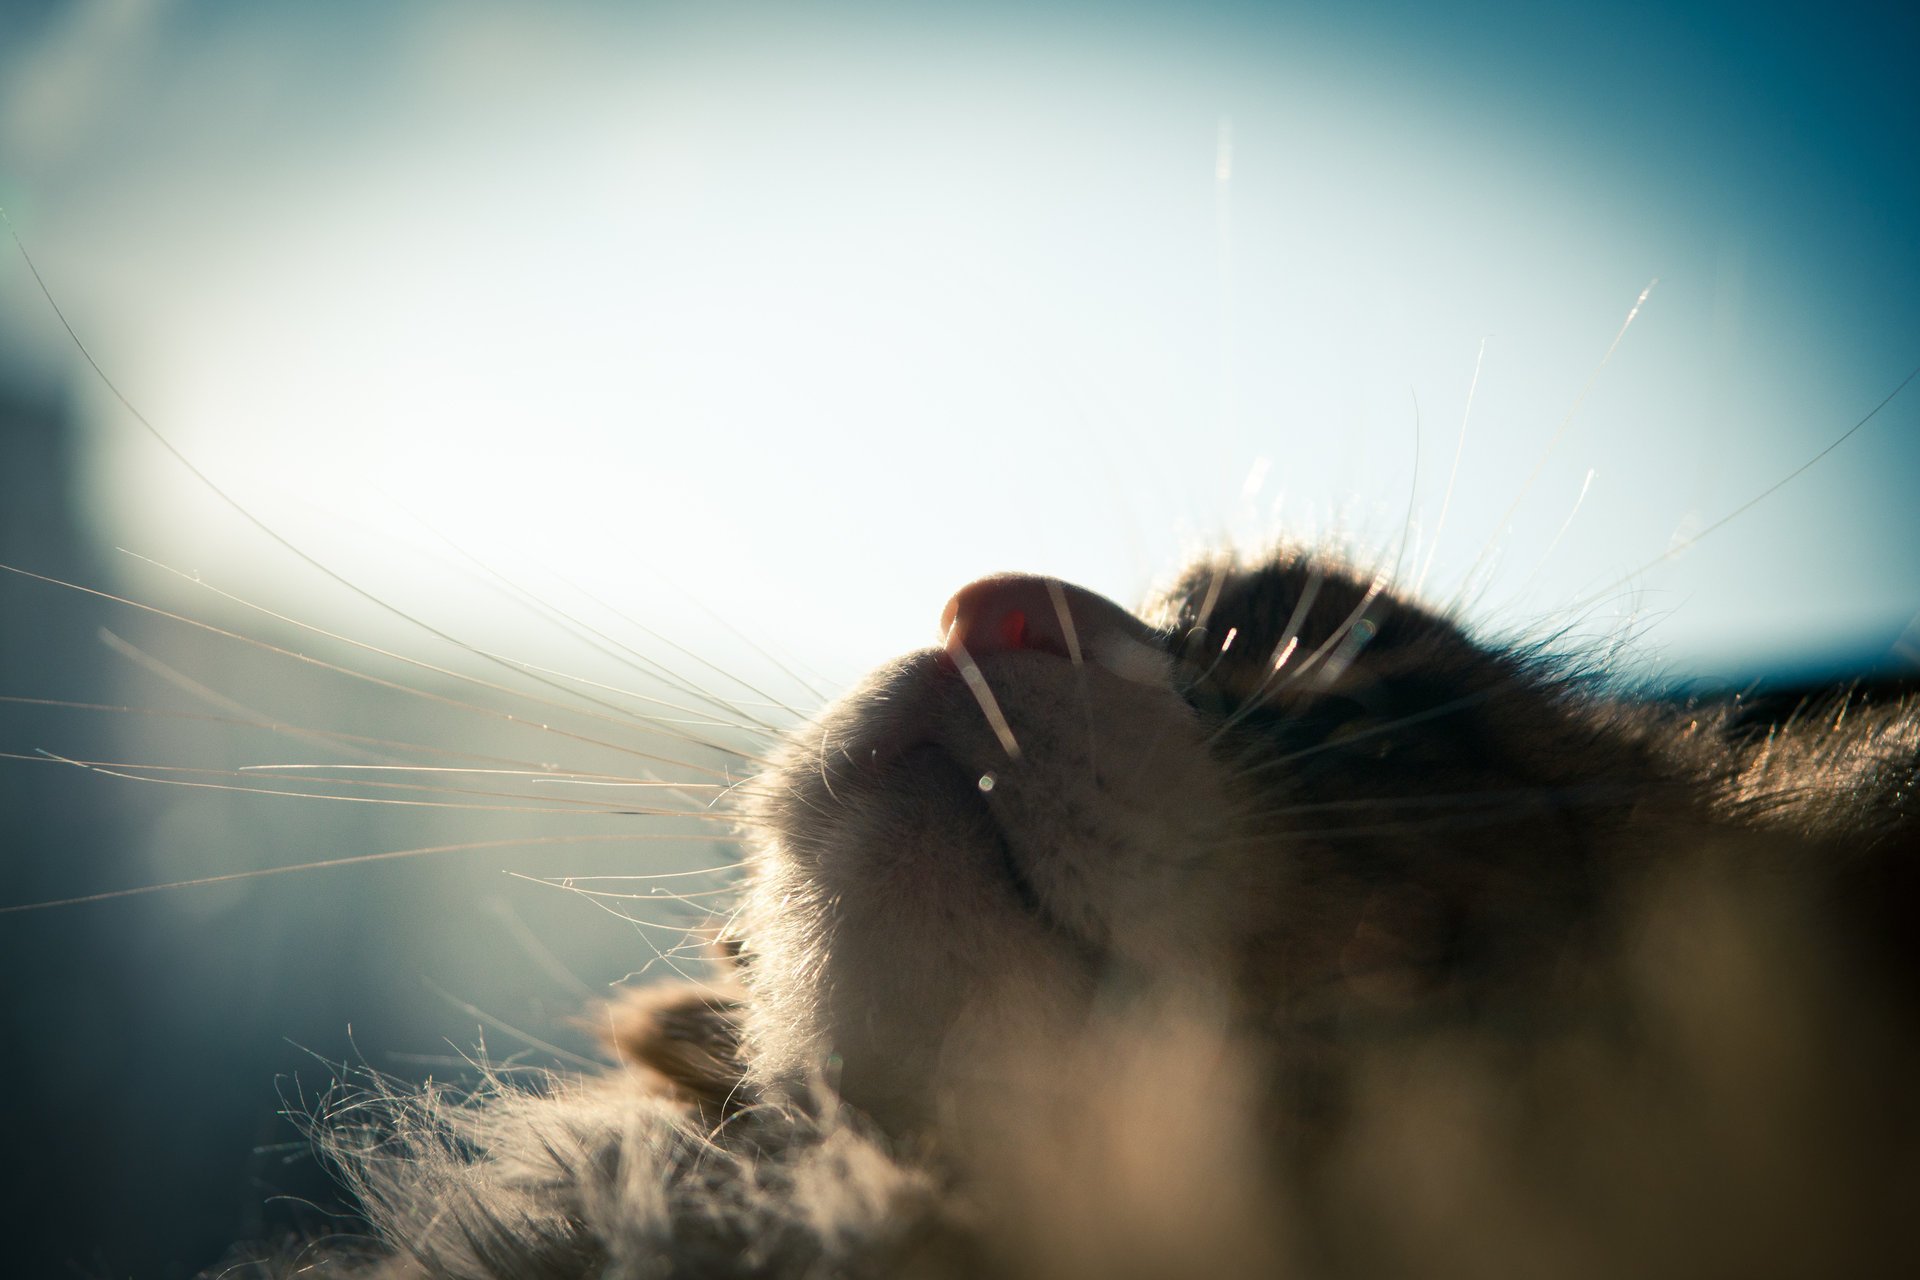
[(642, 876), (346, 742), (212, 697), (1071, 634), (570, 624), (526, 1038), (739, 786), (786, 669), (1283, 651), (1465, 799), (1687, 544), (1403, 829), (1413, 500), (1560, 431), (576, 884), (976, 682), (207, 482), (609, 713), (697, 810), (674, 679), (539, 952), (545, 775), (1373, 731), (1552, 543), (826, 778), (377, 681), (1216, 579), (1344, 642), (1453, 473), (609, 902), (1262, 692), (748, 725), (171, 775), (352, 860), (1333, 643), (343, 742)]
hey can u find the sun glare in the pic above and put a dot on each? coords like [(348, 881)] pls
[(708, 316)]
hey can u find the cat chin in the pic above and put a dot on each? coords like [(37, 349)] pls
[(922, 894)]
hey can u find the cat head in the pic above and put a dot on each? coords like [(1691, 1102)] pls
[(1280, 796)]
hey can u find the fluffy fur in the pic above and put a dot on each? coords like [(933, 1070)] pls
[(1281, 928)]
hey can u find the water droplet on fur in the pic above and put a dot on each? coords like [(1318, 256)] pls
[(986, 781)]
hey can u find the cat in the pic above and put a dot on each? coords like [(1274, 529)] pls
[(1278, 927)]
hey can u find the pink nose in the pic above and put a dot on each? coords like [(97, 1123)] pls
[(1010, 611)]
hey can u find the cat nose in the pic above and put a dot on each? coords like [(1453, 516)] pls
[(1013, 611)]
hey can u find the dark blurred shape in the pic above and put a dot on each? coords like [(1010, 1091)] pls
[(120, 1155)]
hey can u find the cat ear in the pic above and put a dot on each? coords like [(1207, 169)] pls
[(686, 1034)]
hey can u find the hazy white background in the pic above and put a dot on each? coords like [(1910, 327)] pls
[(810, 313)]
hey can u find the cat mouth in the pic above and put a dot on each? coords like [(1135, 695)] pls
[(915, 777), (969, 786)]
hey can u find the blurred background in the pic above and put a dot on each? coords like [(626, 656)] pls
[(499, 351)]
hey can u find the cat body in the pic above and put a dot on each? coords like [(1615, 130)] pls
[(1279, 927)]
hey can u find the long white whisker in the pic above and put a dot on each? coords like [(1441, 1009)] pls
[(1685, 545), (1058, 595), (1453, 472), (1566, 421), (976, 683), (474, 1011), (213, 697), (607, 644), (355, 860), (366, 677), (172, 776), (1339, 633), (1283, 651), (609, 714), (540, 775)]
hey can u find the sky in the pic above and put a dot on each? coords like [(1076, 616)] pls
[(803, 315)]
